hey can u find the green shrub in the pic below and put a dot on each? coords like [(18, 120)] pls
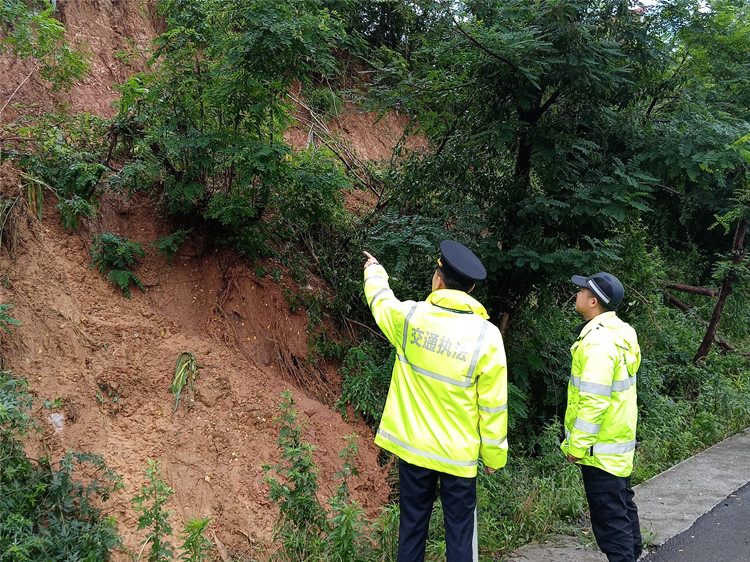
[(72, 209), (153, 515), (64, 151), (366, 374), (118, 255), (324, 100), (46, 513)]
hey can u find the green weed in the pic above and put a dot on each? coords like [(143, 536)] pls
[(195, 546), (6, 320), (301, 523), (153, 514), (304, 528)]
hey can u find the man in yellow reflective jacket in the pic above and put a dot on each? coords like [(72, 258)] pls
[(447, 401), (602, 413)]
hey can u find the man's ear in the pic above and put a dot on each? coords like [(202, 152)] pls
[(439, 282)]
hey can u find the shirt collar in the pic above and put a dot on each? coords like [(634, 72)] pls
[(457, 300), (595, 322)]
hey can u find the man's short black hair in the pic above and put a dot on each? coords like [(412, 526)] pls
[(452, 282)]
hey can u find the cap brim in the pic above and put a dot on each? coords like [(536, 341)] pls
[(579, 280)]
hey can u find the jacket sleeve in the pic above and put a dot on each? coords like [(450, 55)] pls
[(595, 393), (492, 398), (387, 310)]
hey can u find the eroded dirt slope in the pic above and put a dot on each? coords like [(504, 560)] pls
[(111, 360)]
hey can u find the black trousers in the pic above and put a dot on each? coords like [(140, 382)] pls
[(418, 491), (614, 516)]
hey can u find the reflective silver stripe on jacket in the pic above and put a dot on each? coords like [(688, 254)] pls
[(376, 295), (437, 376), (614, 448), (475, 355), (624, 384), (494, 410), (588, 427), (425, 454), (406, 327), (602, 389), (608, 448), (495, 441)]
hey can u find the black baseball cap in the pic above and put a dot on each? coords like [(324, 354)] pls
[(460, 262), (605, 286)]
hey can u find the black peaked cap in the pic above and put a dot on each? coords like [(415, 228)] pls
[(461, 262)]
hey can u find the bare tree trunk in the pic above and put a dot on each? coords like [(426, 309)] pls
[(738, 254)]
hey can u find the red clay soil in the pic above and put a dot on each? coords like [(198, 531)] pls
[(111, 360)]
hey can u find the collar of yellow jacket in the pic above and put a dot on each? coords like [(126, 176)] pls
[(457, 300), (597, 320)]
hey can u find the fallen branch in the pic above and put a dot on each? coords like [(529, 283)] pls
[(738, 255), (724, 344), (677, 302), (381, 336), (354, 165), (16, 91), (692, 289)]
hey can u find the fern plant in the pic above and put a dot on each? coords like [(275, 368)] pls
[(124, 278), (169, 245), (109, 251)]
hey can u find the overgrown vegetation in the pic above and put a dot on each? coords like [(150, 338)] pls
[(49, 511), (52, 511), (305, 529)]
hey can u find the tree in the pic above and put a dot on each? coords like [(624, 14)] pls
[(206, 125), (529, 107), (28, 30)]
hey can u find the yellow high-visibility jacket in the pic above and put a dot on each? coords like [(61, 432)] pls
[(448, 397), (602, 412)]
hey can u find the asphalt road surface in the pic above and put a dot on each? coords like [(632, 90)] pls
[(721, 535)]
